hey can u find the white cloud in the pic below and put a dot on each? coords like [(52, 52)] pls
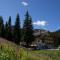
[(40, 23), (24, 3)]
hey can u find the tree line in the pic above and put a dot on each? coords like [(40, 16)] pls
[(13, 32)]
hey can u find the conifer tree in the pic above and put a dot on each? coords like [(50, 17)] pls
[(9, 29), (17, 32), (6, 30), (28, 30), (1, 27)]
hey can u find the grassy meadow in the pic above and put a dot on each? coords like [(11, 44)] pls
[(14, 52)]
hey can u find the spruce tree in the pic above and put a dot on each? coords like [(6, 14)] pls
[(28, 30), (9, 29), (6, 30), (17, 32), (1, 27)]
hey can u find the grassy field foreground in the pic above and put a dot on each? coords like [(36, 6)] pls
[(10, 51)]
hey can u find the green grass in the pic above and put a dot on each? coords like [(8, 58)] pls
[(7, 53), (52, 54), (13, 52)]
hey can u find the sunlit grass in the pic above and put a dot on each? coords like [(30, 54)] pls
[(10, 52)]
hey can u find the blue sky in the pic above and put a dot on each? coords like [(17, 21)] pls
[(46, 11)]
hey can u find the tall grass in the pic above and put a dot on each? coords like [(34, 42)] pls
[(9, 52)]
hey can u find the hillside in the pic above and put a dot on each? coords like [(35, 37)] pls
[(51, 39), (9, 43)]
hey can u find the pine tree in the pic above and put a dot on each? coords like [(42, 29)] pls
[(1, 27), (9, 29), (6, 30), (28, 30), (17, 32)]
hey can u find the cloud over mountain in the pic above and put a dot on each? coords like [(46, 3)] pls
[(40, 23)]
